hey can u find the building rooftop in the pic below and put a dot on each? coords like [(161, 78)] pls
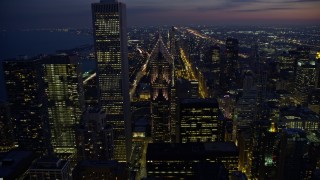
[(200, 102), (49, 163), (15, 163), (190, 151), (99, 164)]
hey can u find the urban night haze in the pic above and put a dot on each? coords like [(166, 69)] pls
[(161, 89)]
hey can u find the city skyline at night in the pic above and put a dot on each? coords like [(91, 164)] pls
[(139, 90)]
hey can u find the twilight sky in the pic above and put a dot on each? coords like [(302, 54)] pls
[(77, 13)]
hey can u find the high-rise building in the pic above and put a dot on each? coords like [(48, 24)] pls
[(27, 103), (161, 79), (314, 101), (287, 62), (110, 42), (174, 97), (293, 146), (261, 91), (313, 157), (257, 156), (6, 131), (50, 168), (303, 53), (216, 64), (305, 80), (246, 109), (248, 82), (64, 90), (94, 136), (269, 152), (318, 70), (245, 151), (231, 62), (91, 91), (199, 120)]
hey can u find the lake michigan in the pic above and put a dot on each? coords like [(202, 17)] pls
[(32, 43)]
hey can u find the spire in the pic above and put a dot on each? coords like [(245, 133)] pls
[(161, 47)]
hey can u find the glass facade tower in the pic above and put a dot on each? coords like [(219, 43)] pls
[(64, 90)]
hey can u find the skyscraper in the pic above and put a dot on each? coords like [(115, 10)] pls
[(230, 65), (27, 103), (199, 120), (293, 146), (215, 64), (94, 136), (305, 80), (90, 86), (110, 41), (173, 50), (318, 70), (160, 79), (6, 134), (64, 91)]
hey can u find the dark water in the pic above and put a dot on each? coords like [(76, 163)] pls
[(32, 43)]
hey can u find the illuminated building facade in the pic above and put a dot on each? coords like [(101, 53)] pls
[(6, 131), (161, 80), (305, 80), (94, 136), (27, 103), (110, 42), (199, 120), (64, 91), (287, 62), (301, 118)]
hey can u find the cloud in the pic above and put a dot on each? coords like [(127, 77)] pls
[(34, 13), (148, 9), (265, 9)]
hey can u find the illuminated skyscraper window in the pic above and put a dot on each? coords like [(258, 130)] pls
[(27, 103), (160, 79), (64, 91), (110, 40)]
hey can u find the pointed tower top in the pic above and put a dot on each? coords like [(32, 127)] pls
[(160, 47)]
